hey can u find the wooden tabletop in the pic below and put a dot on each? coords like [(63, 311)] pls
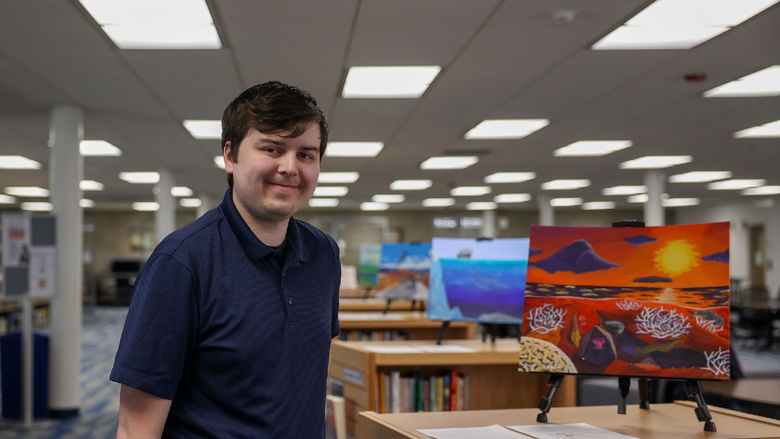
[(765, 391)]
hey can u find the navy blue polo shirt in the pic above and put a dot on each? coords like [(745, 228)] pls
[(236, 333)]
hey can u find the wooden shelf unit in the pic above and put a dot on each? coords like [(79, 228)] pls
[(413, 323), (494, 381), (373, 304)]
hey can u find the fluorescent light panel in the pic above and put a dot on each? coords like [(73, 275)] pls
[(449, 162), (27, 191), (565, 184), (330, 191), (146, 206), (509, 177), (699, 176), (7, 199), (410, 185), (656, 161), (598, 205), (563, 202), (769, 129), (18, 162), (98, 148), (90, 185), (639, 198), (735, 184), (372, 205), (765, 82), (85, 203), (190, 202), (388, 198), (151, 24), (219, 161), (762, 190), (388, 82), (353, 149), (592, 148), (37, 206), (506, 128), (140, 177), (511, 198), (204, 129), (680, 202), (338, 177), (470, 191), (181, 191), (438, 202), (624, 190), (481, 205), (323, 202)]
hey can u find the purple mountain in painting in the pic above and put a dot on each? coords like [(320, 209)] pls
[(652, 279), (534, 252), (639, 239), (718, 257), (577, 257)]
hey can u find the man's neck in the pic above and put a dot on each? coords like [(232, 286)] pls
[(270, 233)]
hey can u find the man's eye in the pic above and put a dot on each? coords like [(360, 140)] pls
[(270, 149), (306, 155)]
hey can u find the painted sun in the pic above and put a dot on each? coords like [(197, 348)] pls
[(676, 258)]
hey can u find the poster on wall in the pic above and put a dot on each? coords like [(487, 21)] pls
[(28, 255), (628, 301), (404, 271), (478, 280), (370, 256)]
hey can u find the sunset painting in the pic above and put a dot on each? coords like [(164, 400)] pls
[(628, 301), (404, 271)]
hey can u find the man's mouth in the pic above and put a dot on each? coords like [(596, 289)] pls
[(283, 185)]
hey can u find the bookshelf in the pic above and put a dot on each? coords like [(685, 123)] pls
[(407, 325), (11, 315), (373, 304), (491, 370)]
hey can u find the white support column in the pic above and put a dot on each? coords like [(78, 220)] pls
[(488, 224), (165, 217), (66, 168), (206, 203), (546, 211), (654, 208)]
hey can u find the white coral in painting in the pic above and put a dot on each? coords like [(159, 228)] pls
[(628, 305), (708, 324), (718, 362), (662, 323), (546, 318)]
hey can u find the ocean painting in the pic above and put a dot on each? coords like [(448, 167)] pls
[(404, 269), (628, 301), (478, 280)]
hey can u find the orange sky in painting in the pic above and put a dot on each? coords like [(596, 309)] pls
[(635, 261)]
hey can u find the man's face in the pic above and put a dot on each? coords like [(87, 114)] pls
[(274, 175)]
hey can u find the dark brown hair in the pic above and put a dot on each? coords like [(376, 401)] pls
[(271, 107)]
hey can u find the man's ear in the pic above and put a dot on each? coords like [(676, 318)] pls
[(226, 157)]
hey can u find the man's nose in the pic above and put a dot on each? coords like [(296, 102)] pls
[(288, 164)]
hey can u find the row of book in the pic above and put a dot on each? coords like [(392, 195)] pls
[(356, 335), (401, 392)]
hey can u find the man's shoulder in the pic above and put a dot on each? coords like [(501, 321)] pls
[(310, 232), (194, 235)]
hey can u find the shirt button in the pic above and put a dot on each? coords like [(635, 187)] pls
[(290, 300)]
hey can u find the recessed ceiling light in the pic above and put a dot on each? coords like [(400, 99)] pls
[(470, 191), (181, 191), (481, 205), (338, 177), (735, 184), (353, 149), (765, 82), (90, 185), (510, 177), (146, 206), (657, 37), (562, 202), (512, 198), (37, 206), (565, 184), (438, 202), (7, 199), (330, 191), (680, 202), (17, 162), (598, 205), (639, 198), (190, 202), (86, 202), (624, 190), (656, 161), (505, 128), (371, 205), (204, 129), (388, 82), (592, 148), (388, 198), (762, 190), (323, 202), (140, 177), (449, 162), (27, 191), (699, 176), (769, 129), (98, 148), (410, 185), (150, 24), (219, 161)]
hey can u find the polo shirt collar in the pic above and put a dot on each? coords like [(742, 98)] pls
[(252, 246)]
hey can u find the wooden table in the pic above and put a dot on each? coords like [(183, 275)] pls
[(662, 421), (373, 304)]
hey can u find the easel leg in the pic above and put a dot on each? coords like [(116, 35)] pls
[(645, 393), (387, 306), (693, 390), (624, 384), (545, 403), (444, 325)]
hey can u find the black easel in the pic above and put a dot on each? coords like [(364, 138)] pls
[(545, 403), (693, 390), (444, 325)]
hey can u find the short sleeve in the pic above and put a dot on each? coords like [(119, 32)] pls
[(160, 330)]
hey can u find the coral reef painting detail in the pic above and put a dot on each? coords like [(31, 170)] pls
[(629, 301)]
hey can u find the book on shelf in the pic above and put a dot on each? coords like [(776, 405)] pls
[(335, 419), (400, 392), (378, 335)]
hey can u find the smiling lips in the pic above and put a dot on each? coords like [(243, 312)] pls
[(283, 186)]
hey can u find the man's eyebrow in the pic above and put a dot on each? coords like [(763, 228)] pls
[(266, 140), (311, 148)]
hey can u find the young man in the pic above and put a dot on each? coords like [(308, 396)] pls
[(229, 329)]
